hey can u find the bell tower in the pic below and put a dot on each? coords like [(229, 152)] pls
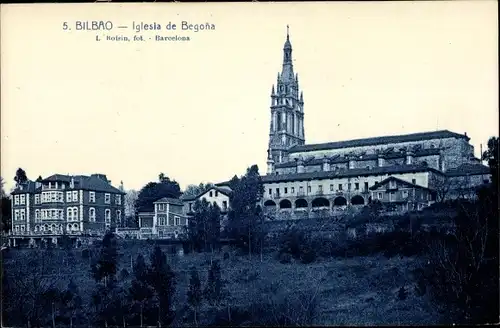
[(287, 109)]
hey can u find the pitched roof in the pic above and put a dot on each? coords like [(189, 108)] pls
[(379, 140), (28, 187), (223, 190), (168, 200), (394, 169), (385, 181), (468, 169), (335, 159), (92, 183)]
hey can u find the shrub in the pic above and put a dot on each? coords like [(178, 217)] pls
[(285, 258), (85, 253), (308, 255)]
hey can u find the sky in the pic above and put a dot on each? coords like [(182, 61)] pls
[(199, 110)]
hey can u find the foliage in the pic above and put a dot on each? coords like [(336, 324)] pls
[(214, 291), (194, 190), (21, 176), (104, 269), (141, 294), (6, 221), (153, 191), (194, 294), (129, 202), (204, 226), (462, 273), (162, 279), (245, 224)]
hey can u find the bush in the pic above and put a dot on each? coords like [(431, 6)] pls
[(285, 258), (308, 255)]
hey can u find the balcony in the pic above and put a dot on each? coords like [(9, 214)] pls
[(301, 193), (319, 193)]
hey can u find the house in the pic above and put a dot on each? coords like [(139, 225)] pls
[(74, 205), (167, 221)]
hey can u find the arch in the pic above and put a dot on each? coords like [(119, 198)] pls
[(320, 202), (269, 203), (339, 201), (75, 226), (301, 203), (285, 203), (357, 200)]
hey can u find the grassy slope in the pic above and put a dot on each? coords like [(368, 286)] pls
[(356, 291)]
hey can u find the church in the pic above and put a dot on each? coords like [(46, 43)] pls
[(406, 172)]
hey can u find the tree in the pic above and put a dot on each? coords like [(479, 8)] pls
[(2, 190), (153, 191), (140, 293), (20, 176), (29, 290), (463, 271), (104, 269), (162, 279), (491, 155), (194, 190), (194, 294), (204, 227), (130, 199), (214, 291), (73, 304), (6, 221), (244, 217)]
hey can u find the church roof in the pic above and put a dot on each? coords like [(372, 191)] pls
[(379, 141), (468, 169), (342, 159), (395, 169)]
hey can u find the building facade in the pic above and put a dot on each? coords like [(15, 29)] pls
[(167, 221), (58, 205), (407, 172), (214, 195)]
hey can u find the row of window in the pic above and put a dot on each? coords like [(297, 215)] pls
[(164, 221), (71, 214), (58, 196), (19, 215), (332, 188)]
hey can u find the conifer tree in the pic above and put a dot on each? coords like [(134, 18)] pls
[(162, 279), (214, 291), (194, 294)]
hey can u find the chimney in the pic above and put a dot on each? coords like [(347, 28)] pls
[(300, 166), (352, 161), (380, 160), (326, 164), (72, 182), (409, 158)]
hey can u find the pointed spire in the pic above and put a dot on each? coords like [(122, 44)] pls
[(301, 96), (272, 91), (297, 77)]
